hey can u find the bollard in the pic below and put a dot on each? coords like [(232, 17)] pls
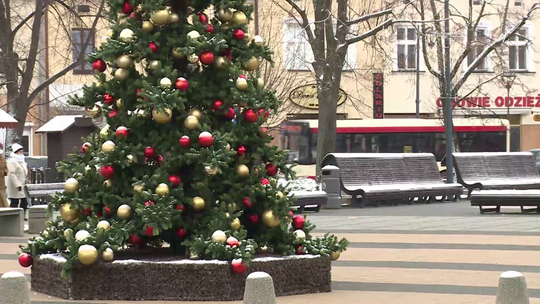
[(14, 288), (259, 289), (331, 181), (512, 289)]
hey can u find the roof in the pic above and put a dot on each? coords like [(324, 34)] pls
[(59, 123), (7, 121)]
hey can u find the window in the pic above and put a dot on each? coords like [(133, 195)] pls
[(297, 50), (479, 41), (406, 48), (27, 139), (78, 38), (517, 3), (518, 54), (476, 2)]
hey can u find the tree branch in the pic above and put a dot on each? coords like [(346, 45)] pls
[(368, 16), (371, 32)]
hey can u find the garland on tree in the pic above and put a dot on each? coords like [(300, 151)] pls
[(184, 158)]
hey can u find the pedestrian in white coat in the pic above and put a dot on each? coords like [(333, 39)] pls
[(17, 178)]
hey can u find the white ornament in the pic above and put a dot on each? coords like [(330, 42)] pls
[(82, 235), (219, 237), (126, 35), (104, 225), (258, 40), (299, 234), (165, 83), (193, 35)]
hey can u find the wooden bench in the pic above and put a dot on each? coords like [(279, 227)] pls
[(498, 198), (11, 222), (393, 177), (39, 193), (496, 171)]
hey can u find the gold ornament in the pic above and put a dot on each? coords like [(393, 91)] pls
[(162, 117), (126, 35), (121, 74), (241, 84), (119, 103), (219, 237), (110, 32), (138, 188), (242, 170), (160, 17), (193, 58), (198, 203), (235, 224), (140, 113), (108, 146), (299, 234), (279, 194), (165, 83), (221, 62), (247, 36), (67, 213), (196, 113), (191, 122), (107, 183), (155, 65), (239, 18), (227, 147), (260, 83), (252, 64), (225, 26), (124, 212), (129, 158), (211, 170), (225, 15), (68, 232), (98, 84), (193, 35), (87, 254), (104, 225), (107, 255), (227, 214), (162, 190), (258, 40), (173, 18), (45, 233), (335, 255), (177, 54), (269, 219), (104, 133), (147, 26), (94, 112), (71, 186), (105, 39), (124, 61), (75, 221)]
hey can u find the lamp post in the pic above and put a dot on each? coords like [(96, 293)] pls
[(508, 79), (448, 91)]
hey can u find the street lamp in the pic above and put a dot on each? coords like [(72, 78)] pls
[(508, 79)]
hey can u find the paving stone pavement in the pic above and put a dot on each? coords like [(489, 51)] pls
[(439, 253)]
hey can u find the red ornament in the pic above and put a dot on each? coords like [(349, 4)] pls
[(181, 84), (227, 53), (107, 211), (160, 160), (298, 222), (184, 141), (174, 180), (181, 233), (206, 58), (250, 115), (113, 113), (149, 203), (87, 211), (263, 112), (108, 99), (247, 202), (26, 259), (202, 18), (98, 214), (107, 171), (253, 218), (149, 231), (209, 28), (153, 47), (241, 150), (139, 94), (217, 105), (134, 239), (180, 207), (291, 214), (232, 242), (299, 250), (271, 170), (135, 15), (122, 131), (239, 34), (265, 181), (86, 147), (230, 113), (237, 266), (149, 152), (206, 139), (263, 131), (127, 8), (242, 76), (99, 65)]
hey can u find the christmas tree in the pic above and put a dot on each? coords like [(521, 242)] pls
[(184, 162)]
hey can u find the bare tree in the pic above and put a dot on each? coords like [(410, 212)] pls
[(20, 35)]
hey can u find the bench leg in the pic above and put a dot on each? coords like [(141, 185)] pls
[(481, 209)]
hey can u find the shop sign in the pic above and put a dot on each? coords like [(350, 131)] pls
[(378, 95), (306, 96), (495, 102), (536, 117)]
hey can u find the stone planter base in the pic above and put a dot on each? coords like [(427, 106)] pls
[(180, 280)]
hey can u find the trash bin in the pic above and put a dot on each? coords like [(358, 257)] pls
[(332, 186)]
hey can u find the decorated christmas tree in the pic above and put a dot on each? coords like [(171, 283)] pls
[(184, 163)]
